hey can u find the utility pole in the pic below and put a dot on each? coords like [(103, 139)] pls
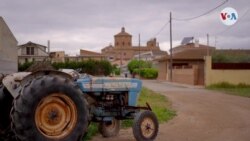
[(171, 56), (121, 57), (139, 56), (207, 44), (207, 39), (139, 47), (215, 41)]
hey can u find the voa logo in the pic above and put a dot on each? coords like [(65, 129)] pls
[(229, 16)]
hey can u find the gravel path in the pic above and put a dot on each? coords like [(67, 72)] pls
[(202, 115)]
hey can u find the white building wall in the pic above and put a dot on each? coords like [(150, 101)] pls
[(8, 49)]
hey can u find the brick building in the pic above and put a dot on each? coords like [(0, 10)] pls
[(60, 56), (123, 50)]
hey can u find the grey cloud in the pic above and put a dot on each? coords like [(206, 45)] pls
[(41, 20)]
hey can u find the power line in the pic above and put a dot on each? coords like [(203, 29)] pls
[(161, 29), (164, 26), (195, 17), (189, 19), (157, 33)]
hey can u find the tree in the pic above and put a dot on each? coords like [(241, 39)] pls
[(136, 64), (92, 67)]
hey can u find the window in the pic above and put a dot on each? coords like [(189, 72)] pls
[(27, 50), (26, 60), (117, 43), (30, 51)]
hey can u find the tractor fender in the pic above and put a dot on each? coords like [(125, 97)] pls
[(16, 81), (12, 82)]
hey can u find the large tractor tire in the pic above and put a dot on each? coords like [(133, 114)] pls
[(5, 108), (50, 108), (146, 126), (110, 129)]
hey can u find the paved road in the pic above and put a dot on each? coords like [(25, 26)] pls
[(202, 115)]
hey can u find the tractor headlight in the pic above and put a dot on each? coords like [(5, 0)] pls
[(109, 97)]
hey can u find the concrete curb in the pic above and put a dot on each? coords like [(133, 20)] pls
[(178, 84)]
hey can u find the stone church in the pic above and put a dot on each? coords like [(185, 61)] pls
[(123, 50)]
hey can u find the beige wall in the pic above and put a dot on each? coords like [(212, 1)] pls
[(162, 70), (58, 56), (230, 76)]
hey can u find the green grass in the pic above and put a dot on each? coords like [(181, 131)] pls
[(159, 103), (92, 131), (240, 89)]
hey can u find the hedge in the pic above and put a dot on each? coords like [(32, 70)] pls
[(149, 73), (92, 67)]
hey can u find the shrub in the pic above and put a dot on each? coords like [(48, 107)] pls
[(92, 67), (149, 73), (136, 64), (116, 70), (136, 71), (229, 85), (104, 67), (230, 58), (24, 66)]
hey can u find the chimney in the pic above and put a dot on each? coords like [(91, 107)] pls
[(48, 46), (196, 43)]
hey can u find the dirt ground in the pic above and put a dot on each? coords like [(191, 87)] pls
[(202, 115)]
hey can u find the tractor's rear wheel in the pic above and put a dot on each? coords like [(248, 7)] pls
[(110, 129), (49, 109), (5, 108)]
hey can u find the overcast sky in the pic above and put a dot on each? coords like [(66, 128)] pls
[(91, 24)]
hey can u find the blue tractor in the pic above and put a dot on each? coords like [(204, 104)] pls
[(56, 106)]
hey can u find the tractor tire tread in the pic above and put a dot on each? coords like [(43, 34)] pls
[(23, 123)]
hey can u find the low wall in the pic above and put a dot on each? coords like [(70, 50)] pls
[(162, 70), (213, 76)]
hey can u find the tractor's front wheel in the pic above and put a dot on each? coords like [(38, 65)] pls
[(110, 129), (50, 108), (145, 127)]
